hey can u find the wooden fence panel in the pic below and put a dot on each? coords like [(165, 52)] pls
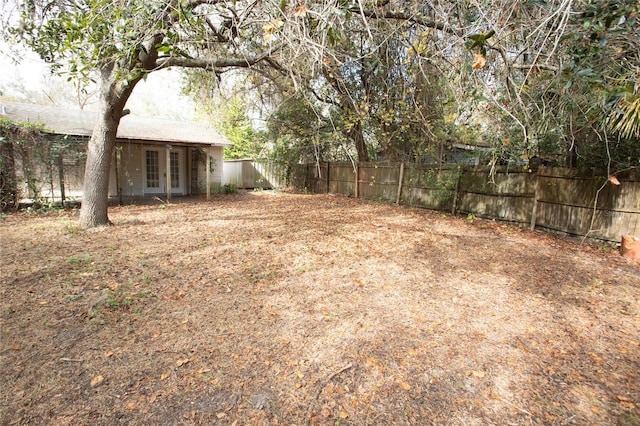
[(512, 208), (342, 179), (435, 199), (503, 183), (430, 187), (508, 196), (566, 199), (379, 181), (549, 198)]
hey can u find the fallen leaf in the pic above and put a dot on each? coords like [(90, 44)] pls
[(272, 27), (478, 374), (479, 61), (107, 354), (131, 406), (181, 362), (622, 398), (343, 414), (301, 11), (614, 180), (404, 385), (221, 415), (43, 302), (96, 381), (299, 374), (15, 347), (595, 410)]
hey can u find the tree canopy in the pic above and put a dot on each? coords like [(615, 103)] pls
[(400, 79)]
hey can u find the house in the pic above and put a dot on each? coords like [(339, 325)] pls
[(153, 157)]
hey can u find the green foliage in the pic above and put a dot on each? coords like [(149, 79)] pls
[(625, 118), (237, 127), (347, 83), (21, 139), (300, 133), (37, 154)]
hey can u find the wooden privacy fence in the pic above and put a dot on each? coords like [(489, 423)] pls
[(556, 199)]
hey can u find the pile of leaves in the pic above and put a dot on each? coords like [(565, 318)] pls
[(262, 308)]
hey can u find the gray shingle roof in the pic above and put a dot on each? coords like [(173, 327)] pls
[(80, 123)]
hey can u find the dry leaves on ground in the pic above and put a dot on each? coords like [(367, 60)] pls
[(262, 308)]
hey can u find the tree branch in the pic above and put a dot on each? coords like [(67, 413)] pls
[(402, 16), (216, 63)]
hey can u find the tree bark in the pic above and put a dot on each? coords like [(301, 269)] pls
[(347, 105), (95, 197), (115, 89), (114, 94), (356, 135)]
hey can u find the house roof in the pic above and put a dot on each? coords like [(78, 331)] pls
[(80, 123)]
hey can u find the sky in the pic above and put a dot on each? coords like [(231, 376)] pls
[(30, 80)]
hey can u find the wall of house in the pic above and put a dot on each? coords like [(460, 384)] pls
[(131, 169), (198, 171), (39, 172), (217, 154)]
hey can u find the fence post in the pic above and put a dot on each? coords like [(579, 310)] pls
[(535, 202), (168, 172), (61, 179), (400, 179), (357, 180), (454, 207), (207, 171), (118, 172), (328, 173)]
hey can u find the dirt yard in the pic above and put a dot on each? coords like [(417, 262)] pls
[(282, 309)]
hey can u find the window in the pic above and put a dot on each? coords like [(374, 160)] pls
[(174, 165), (153, 169)]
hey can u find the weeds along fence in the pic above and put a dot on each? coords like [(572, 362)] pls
[(555, 199)]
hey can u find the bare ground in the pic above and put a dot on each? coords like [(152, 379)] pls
[(260, 308)]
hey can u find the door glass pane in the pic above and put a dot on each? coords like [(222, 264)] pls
[(153, 169), (174, 165)]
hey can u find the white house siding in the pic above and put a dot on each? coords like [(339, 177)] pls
[(131, 169), (199, 179), (217, 153)]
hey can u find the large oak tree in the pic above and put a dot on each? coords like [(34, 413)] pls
[(519, 70), (124, 40)]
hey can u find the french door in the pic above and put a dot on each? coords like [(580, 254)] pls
[(156, 170)]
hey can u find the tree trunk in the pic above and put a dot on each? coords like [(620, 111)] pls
[(114, 94), (349, 108), (95, 191), (356, 135)]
